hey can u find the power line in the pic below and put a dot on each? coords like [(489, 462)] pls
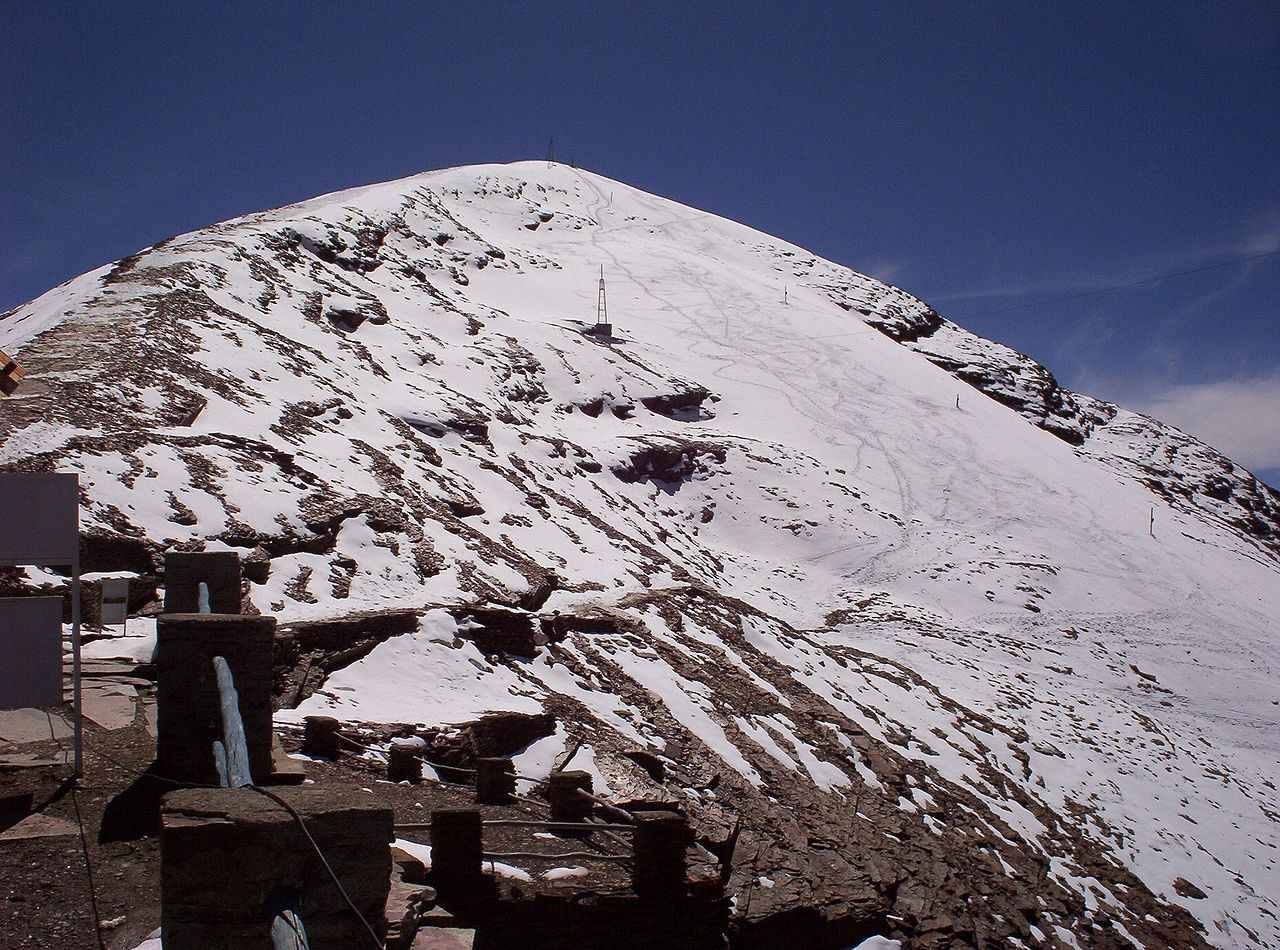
[(1132, 283)]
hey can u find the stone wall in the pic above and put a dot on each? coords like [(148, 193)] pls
[(228, 855), (549, 921), (188, 711)]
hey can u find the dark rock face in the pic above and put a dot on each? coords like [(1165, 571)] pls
[(904, 324), (497, 630), (686, 405), (104, 551), (1186, 889)]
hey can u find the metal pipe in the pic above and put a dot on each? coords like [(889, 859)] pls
[(75, 669)]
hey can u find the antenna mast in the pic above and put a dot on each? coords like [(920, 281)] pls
[(602, 327), (551, 151)]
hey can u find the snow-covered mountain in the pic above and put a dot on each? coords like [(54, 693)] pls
[(751, 550)]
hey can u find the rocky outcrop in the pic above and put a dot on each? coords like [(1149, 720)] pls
[(670, 463)]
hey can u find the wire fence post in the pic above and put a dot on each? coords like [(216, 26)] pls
[(321, 738), (562, 794), (404, 760), (495, 781)]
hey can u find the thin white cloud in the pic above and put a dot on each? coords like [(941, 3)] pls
[(881, 269), (1261, 236), (1239, 417)]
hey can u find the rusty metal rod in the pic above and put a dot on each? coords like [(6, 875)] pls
[(518, 823), (626, 816), (583, 855), (621, 842)]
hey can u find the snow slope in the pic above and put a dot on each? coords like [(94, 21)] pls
[(934, 653)]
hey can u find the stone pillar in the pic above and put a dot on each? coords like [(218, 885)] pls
[(183, 572), (456, 846), (562, 794), (224, 854), (660, 839), (495, 781), (188, 708), (321, 737), (404, 760)]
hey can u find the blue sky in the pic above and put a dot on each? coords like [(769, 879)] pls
[(981, 156)]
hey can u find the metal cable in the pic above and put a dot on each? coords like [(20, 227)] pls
[(377, 941), (279, 801)]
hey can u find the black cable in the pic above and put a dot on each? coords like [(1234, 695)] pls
[(84, 842), (1132, 283), (377, 941), (88, 870)]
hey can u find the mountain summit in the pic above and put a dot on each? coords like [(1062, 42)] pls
[(973, 657)]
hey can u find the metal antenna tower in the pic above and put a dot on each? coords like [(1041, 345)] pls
[(602, 327), (551, 151)]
